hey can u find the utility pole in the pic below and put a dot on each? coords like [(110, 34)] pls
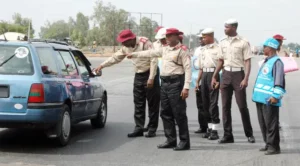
[(190, 36)]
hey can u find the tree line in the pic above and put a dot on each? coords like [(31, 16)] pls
[(102, 27)]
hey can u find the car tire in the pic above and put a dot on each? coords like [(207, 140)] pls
[(100, 120), (64, 127)]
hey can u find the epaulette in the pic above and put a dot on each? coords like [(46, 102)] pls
[(223, 38), (143, 40), (183, 47), (244, 39)]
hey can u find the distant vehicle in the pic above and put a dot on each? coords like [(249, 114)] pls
[(49, 85)]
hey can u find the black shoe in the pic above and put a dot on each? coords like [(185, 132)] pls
[(207, 134), (263, 149), (182, 146), (201, 131), (135, 134), (251, 139), (226, 140), (272, 152), (213, 135), (146, 129), (167, 145), (150, 135)]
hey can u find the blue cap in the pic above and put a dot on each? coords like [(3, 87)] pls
[(271, 42)]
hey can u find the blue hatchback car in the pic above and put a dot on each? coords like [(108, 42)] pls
[(49, 85)]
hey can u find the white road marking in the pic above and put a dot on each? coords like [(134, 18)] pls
[(85, 140)]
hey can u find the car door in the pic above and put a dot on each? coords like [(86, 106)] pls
[(92, 85), (74, 84)]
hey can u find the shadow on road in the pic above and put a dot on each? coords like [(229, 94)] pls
[(85, 140)]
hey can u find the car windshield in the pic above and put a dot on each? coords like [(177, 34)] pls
[(15, 60)]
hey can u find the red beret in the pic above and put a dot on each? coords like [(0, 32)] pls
[(279, 37), (173, 31), (158, 28), (125, 35)]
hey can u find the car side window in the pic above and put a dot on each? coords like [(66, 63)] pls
[(47, 60), (68, 65), (81, 65), (61, 64)]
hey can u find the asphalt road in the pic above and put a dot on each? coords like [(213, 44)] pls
[(110, 146)]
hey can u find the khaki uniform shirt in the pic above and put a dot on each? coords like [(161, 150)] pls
[(175, 61), (283, 52), (141, 65), (234, 51), (210, 55)]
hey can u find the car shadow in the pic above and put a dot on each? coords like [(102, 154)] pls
[(84, 140)]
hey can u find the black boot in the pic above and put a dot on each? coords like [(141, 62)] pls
[(136, 134), (146, 129), (213, 135), (150, 134), (201, 130), (167, 145), (207, 134), (226, 140), (183, 145)]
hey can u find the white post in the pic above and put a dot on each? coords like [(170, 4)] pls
[(29, 30)]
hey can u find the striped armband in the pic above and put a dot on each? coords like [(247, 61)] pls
[(278, 92)]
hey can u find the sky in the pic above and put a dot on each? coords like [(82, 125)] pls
[(258, 19)]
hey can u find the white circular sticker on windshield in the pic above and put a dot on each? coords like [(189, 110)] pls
[(22, 52)]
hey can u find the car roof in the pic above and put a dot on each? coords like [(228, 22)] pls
[(58, 45), (40, 43)]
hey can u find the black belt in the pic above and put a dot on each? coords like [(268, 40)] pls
[(144, 73), (172, 78)]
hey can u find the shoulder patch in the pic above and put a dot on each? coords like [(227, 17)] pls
[(244, 39), (184, 47), (248, 43), (143, 40)]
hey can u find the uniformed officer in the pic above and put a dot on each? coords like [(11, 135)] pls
[(160, 38), (268, 91), (281, 51), (202, 116), (175, 83), (146, 81), (236, 57), (210, 96)]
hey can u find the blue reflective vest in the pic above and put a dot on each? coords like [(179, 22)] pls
[(264, 85)]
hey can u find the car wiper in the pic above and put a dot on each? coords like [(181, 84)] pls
[(7, 60)]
